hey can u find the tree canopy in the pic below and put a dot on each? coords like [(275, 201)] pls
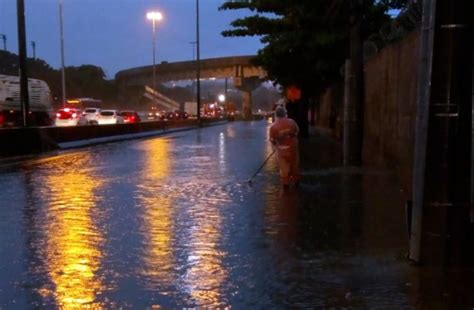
[(306, 41), (82, 81)]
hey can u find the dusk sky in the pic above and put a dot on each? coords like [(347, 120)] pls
[(115, 34)]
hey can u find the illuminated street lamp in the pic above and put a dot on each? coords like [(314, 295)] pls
[(221, 98), (154, 16)]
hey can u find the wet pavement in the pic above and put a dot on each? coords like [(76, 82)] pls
[(171, 222)]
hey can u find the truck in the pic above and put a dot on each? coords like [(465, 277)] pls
[(190, 107), (10, 103)]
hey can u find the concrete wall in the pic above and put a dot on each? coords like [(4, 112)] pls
[(34, 140), (389, 108), (330, 110)]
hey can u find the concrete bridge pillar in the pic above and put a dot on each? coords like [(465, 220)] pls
[(247, 86)]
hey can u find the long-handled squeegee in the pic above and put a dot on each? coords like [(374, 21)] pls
[(260, 168)]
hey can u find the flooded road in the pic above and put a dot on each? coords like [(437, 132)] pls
[(171, 222)]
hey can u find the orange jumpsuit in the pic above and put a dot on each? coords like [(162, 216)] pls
[(284, 136)]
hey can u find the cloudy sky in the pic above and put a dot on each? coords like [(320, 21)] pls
[(115, 34)]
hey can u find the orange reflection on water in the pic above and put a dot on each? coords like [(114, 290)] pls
[(271, 166), (204, 269), (206, 273), (157, 256), (157, 215), (73, 241), (157, 160)]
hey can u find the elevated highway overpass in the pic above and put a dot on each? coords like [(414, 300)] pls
[(245, 75)]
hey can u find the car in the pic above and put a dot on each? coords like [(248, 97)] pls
[(130, 116), (176, 115), (182, 115), (155, 114), (231, 116), (170, 115), (92, 115), (69, 117), (107, 117)]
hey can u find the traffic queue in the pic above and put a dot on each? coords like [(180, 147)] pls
[(94, 116)]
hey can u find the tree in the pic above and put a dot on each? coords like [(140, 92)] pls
[(295, 39), (82, 81), (306, 41)]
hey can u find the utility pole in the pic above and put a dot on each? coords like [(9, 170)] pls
[(198, 65), (154, 54), (193, 44), (349, 116), (4, 39), (225, 88), (63, 71), (154, 16), (24, 96), (441, 173), (33, 46), (354, 97)]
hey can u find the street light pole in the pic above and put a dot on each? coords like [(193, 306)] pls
[(33, 46), (4, 38), (63, 72), (154, 55), (193, 44), (198, 65), (24, 96), (225, 89), (154, 16)]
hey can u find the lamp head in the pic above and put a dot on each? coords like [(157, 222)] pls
[(154, 15)]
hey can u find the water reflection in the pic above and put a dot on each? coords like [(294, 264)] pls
[(202, 224), (222, 148), (157, 216), (272, 165), (205, 273), (167, 227), (182, 224), (72, 253)]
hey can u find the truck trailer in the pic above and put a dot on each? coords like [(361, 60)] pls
[(10, 103)]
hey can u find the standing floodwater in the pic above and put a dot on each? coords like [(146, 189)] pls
[(171, 221)]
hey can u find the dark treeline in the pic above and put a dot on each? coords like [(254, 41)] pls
[(81, 81)]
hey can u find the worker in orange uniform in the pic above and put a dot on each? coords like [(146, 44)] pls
[(284, 137)]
